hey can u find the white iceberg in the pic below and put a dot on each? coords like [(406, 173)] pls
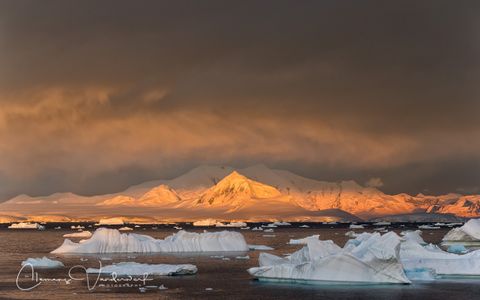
[(77, 227), (126, 228), (81, 234), (382, 223), (414, 255), (259, 247), (257, 229), (43, 263), (355, 226), (281, 223), (268, 230), (429, 227), (470, 231), (304, 240), (375, 260), (137, 269), (26, 225), (304, 226), (106, 240), (231, 224)]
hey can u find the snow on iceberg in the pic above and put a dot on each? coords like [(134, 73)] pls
[(43, 263), (470, 231), (106, 240), (138, 269), (413, 236), (304, 240), (81, 234), (375, 260)]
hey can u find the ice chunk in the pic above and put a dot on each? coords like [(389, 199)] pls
[(43, 262), (457, 248), (138, 269), (304, 226), (259, 247), (106, 240), (355, 226), (430, 227), (304, 240), (23, 225), (126, 228), (414, 255), (281, 224), (81, 234), (231, 224), (470, 231)]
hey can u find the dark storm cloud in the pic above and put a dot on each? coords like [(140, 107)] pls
[(121, 92)]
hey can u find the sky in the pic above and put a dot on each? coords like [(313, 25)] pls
[(96, 96)]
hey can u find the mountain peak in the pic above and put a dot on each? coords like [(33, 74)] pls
[(234, 187)]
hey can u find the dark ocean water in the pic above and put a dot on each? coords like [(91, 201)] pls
[(224, 279)]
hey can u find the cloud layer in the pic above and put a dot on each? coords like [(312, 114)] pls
[(117, 93)]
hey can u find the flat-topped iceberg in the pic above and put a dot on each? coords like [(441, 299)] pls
[(81, 234), (106, 240), (43, 263), (470, 231), (231, 224), (138, 269), (26, 225), (375, 260), (304, 240)]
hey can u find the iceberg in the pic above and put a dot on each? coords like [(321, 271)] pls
[(414, 255), (23, 225), (231, 224), (281, 224), (304, 240), (126, 228), (470, 231), (375, 260), (138, 269), (106, 240), (430, 227), (259, 247), (355, 226), (81, 234), (43, 263)]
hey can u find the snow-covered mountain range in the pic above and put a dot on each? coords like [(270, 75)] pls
[(252, 194)]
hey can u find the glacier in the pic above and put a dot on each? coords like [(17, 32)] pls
[(105, 240)]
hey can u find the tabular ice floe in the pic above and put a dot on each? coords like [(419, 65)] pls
[(303, 241), (81, 234), (43, 263), (26, 225), (106, 240), (259, 247), (138, 269), (374, 260), (470, 231)]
